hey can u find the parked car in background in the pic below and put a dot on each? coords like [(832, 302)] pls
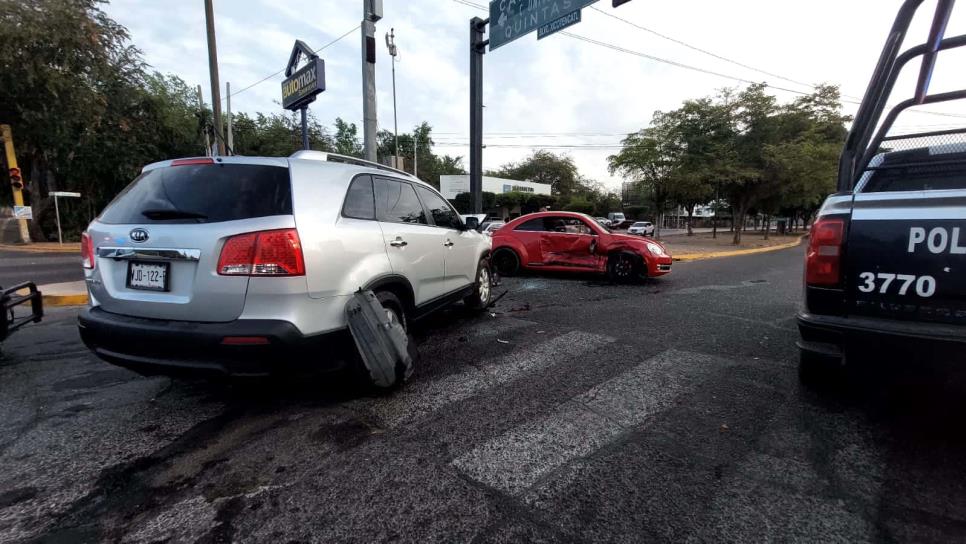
[(641, 228), (603, 221), (490, 227), (574, 242), (616, 218), (181, 277)]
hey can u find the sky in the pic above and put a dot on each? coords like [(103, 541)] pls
[(562, 93)]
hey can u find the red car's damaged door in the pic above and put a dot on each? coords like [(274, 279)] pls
[(568, 242)]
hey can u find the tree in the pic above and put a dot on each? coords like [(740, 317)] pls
[(558, 171), (649, 157), (346, 140)]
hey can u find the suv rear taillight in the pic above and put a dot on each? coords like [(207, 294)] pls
[(266, 253), (87, 251), (825, 253)]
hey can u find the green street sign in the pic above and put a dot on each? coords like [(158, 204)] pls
[(511, 19), (556, 26)]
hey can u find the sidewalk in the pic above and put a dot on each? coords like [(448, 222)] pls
[(43, 247)]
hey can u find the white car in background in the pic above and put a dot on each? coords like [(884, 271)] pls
[(642, 228), (490, 227)]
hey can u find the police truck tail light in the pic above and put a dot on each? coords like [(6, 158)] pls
[(87, 251), (822, 261), (266, 253)]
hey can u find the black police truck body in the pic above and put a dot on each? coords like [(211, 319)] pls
[(885, 269)]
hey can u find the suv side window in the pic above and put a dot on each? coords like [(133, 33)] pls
[(396, 202), (533, 225), (443, 214), (359, 199)]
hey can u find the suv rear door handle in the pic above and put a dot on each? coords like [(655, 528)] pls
[(398, 242), (449, 243)]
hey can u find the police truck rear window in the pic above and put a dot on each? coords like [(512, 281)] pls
[(938, 172)]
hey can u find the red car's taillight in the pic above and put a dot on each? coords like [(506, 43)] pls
[(266, 253), (87, 251), (825, 253)]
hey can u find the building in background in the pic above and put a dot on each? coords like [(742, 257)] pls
[(450, 186)]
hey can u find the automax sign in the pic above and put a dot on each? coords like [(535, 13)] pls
[(511, 19), (301, 87)]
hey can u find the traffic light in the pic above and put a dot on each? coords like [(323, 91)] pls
[(15, 178)]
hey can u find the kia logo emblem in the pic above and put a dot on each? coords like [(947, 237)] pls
[(139, 235)]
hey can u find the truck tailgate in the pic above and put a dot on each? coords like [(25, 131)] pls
[(907, 256)]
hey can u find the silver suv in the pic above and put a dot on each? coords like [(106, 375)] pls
[(244, 265)]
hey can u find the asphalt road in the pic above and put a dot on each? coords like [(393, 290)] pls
[(40, 268), (577, 411)]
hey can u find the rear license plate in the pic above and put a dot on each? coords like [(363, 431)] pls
[(148, 276)]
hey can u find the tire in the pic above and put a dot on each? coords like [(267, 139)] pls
[(506, 261), (624, 268), (396, 311), (818, 372), (483, 291)]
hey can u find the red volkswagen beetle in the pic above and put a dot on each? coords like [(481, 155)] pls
[(567, 241)]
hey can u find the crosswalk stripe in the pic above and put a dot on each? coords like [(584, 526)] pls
[(516, 460), (420, 399)]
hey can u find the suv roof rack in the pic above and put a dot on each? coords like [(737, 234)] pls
[(863, 140), (335, 157)]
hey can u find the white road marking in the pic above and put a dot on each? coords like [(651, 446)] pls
[(420, 399), (518, 459)]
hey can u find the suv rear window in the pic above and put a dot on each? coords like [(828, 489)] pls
[(205, 193)]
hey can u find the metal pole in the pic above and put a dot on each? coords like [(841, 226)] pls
[(60, 238), (415, 153), (231, 140), (305, 127), (477, 48), (213, 71), (391, 43), (369, 125)]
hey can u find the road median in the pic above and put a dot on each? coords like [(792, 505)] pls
[(43, 247), (702, 247)]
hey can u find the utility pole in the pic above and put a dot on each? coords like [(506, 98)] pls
[(16, 180), (477, 48), (213, 71), (231, 141), (201, 115), (371, 12), (391, 44), (415, 152)]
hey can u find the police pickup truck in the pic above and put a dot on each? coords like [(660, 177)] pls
[(885, 268)]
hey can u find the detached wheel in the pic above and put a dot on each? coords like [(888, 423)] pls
[(483, 290), (395, 311), (624, 268), (506, 261)]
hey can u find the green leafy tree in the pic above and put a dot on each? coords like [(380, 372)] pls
[(558, 171), (346, 139)]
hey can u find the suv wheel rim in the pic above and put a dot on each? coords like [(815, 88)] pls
[(484, 285)]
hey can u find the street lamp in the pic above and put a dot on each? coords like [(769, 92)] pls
[(391, 44)]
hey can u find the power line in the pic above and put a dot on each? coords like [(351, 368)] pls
[(700, 50), (270, 76), (702, 70)]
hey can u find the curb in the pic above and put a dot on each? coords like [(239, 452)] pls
[(64, 300), (737, 252), (39, 249)]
